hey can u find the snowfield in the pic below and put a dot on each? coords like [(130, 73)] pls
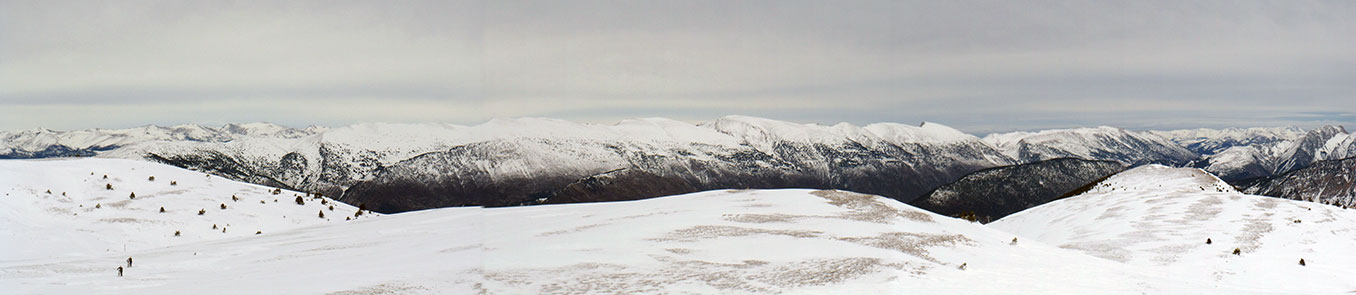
[(792, 241), (1160, 217)]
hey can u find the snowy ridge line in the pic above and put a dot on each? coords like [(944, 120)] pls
[(361, 161)]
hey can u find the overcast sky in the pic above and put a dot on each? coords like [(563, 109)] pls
[(979, 66)]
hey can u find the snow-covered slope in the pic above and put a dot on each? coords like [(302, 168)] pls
[(784, 241), (1101, 143), (71, 241), (729, 242), (54, 208), (1160, 217)]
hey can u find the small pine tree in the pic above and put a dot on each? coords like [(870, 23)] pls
[(108, 186), (97, 206), (223, 229), (132, 196), (223, 206), (105, 176), (346, 218), (152, 178), (300, 201), (1238, 251), (214, 226), (262, 202), (176, 233), (324, 202), (1207, 241), (49, 192), (359, 213), (234, 199), (322, 214), (162, 209), (202, 211), (1014, 241), (1302, 262)]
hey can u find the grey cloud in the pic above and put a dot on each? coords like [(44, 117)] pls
[(980, 66)]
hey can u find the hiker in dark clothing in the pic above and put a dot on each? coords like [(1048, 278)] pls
[(129, 262), (120, 271)]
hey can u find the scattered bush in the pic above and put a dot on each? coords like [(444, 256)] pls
[(214, 226), (234, 199), (152, 178), (962, 266), (262, 202), (300, 201), (108, 186), (1014, 241), (202, 211), (223, 206), (1207, 241), (97, 206), (1297, 221), (347, 218), (49, 192), (277, 191), (162, 209), (359, 213), (1238, 251), (105, 176), (176, 233), (258, 232), (174, 182), (1302, 262), (322, 214), (968, 215), (331, 207)]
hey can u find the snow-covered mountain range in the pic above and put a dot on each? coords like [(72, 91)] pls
[(1325, 182), (397, 167)]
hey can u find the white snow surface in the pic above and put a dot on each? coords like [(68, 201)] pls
[(1160, 217), (793, 241), (55, 244)]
